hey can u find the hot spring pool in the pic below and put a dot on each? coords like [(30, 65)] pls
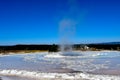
[(87, 65)]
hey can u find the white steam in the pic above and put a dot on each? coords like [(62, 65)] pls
[(67, 25)]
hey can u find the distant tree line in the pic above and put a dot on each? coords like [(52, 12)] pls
[(105, 46), (55, 47), (50, 48), (97, 46)]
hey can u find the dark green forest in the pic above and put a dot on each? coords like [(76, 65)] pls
[(55, 47)]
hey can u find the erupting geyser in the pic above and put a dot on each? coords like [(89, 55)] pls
[(66, 32), (67, 26), (67, 29)]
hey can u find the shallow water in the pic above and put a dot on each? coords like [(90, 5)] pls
[(91, 62)]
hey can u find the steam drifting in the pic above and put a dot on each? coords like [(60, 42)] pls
[(67, 25)]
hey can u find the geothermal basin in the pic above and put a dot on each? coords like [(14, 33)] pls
[(84, 65)]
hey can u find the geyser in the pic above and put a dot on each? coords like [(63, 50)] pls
[(66, 33), (67, 30), (67, 26)]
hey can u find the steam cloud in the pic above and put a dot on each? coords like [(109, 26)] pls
[(67, 25)]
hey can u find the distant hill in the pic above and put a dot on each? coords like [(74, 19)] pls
[(113, 43), (110, 43)]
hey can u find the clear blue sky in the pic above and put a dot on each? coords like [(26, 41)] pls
[(37, 21)]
